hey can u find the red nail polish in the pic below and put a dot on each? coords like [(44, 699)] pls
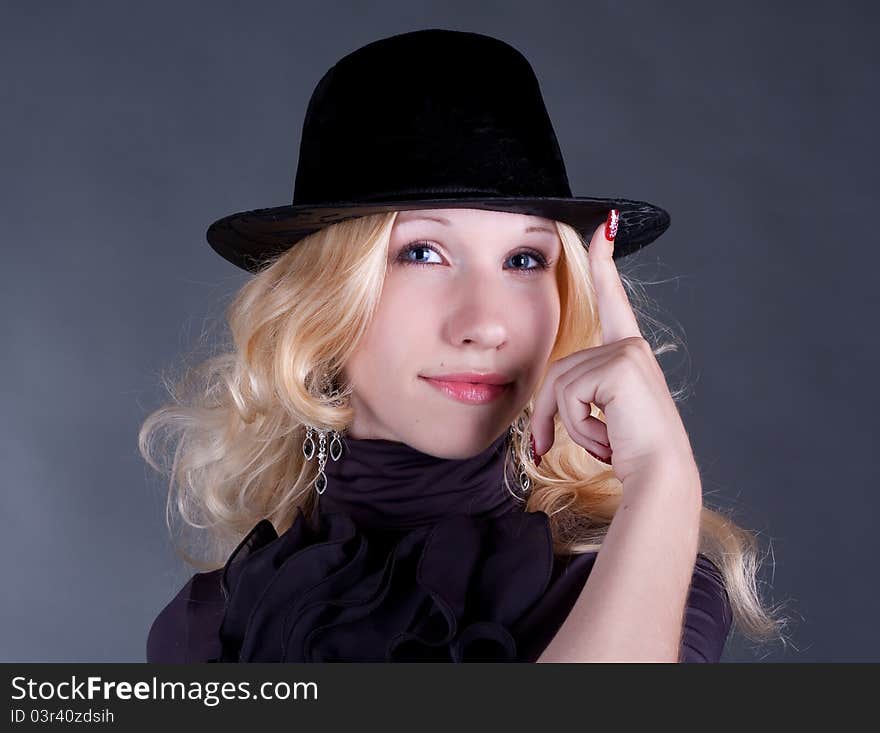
[(599, 458), (535, 458), (611, 224)]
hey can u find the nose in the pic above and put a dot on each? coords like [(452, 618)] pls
[(479, 314)]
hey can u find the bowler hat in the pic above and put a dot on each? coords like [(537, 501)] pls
[(427, 119)]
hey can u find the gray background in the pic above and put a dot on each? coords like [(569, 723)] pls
[(128, 127)]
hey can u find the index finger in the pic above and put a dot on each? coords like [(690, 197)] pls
[(616, 316)]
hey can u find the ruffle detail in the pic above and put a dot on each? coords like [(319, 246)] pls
[(447, 592)]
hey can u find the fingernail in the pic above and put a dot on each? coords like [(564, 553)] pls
[(599, 458), (535, 457), (611, 225)]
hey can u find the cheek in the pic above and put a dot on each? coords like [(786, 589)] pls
[(396, 344), (543, 323), (394, 347), (544, 312)]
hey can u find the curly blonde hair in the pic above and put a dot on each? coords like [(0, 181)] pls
[(233, 431)]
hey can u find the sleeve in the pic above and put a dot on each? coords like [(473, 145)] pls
[(187, 629), (167, 640), (708, 615)]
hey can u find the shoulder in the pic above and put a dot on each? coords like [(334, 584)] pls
[(166, 641), (185, 630), (708, 614)]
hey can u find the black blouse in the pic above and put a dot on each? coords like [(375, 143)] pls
[(407, 557)]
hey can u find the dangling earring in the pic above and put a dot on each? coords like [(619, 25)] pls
[(308, 446), (525, 483)]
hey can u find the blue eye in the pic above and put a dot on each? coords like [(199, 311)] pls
[(403, 256)]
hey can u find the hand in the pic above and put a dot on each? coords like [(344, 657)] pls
[(643, 432)]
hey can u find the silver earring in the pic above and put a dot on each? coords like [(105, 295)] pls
[(525, 483), (308, 446)]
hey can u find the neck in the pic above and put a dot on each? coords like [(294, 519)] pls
[(386, 484)]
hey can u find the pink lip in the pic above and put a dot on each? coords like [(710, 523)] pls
[(473, 377), (470, 392)]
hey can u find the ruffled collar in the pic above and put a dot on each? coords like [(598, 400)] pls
[(386, 484), (409, 557), (463, 581)]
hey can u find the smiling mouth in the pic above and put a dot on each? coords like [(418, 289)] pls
[(475, 393)]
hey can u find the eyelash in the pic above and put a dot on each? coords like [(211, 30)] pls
[(543, 264)]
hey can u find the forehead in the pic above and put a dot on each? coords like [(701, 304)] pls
[(475, 217)]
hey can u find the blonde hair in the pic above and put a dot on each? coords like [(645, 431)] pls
[(234, 430)]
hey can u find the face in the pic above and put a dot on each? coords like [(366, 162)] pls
[(467, 293)]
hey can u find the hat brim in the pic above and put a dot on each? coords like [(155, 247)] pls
[(248, 239)]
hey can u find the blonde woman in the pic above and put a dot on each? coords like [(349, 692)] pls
[(438, 433)]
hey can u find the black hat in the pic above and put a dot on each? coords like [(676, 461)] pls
[(432, 118)]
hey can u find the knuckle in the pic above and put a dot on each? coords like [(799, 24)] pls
[(636, 347), (565, 391), (559, 389), (629, 360)]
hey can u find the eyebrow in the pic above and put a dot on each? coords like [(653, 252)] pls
[(442, 220)]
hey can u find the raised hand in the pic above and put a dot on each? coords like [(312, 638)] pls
[(643, 432)]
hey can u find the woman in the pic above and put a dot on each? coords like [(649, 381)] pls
[(502, 473)]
